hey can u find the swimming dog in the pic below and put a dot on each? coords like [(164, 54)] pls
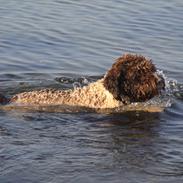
[(132, 78)]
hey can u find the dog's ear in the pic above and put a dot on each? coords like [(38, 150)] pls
[(111, 79), (111, 84)]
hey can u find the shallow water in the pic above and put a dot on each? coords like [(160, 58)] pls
[(57, 43)]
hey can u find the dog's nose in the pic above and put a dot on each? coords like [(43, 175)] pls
[(161, 83)]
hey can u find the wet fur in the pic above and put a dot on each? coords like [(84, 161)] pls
[(131, 79), (94, 96)]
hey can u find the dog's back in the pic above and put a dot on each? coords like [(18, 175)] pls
[(93, 96)]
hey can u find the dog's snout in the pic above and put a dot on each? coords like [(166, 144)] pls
[(161, 83)]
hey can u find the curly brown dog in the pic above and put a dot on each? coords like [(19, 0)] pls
[(132, 78)]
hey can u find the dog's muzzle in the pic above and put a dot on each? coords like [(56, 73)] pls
[(161, 82)]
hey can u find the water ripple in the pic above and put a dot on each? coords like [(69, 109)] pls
[(59, 43)]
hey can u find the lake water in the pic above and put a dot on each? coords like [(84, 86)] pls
[(42, 44)]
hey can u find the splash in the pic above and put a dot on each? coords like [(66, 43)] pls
[(173, 90), (171, 85), (71, 80), (76, 85)]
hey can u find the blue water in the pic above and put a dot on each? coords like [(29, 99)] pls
[(42, 42)]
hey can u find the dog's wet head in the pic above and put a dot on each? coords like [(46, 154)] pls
[(133, 78)]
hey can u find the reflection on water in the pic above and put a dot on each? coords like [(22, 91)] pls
[(65, 44), (99, 146)]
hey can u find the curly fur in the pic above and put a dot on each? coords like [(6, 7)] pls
[(94, 96), (132, 78)]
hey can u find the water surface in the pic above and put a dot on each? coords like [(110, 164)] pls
[(44, 42)]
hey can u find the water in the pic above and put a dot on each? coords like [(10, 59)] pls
[(54, 43)]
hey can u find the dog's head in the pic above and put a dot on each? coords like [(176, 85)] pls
[(133, 78)]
